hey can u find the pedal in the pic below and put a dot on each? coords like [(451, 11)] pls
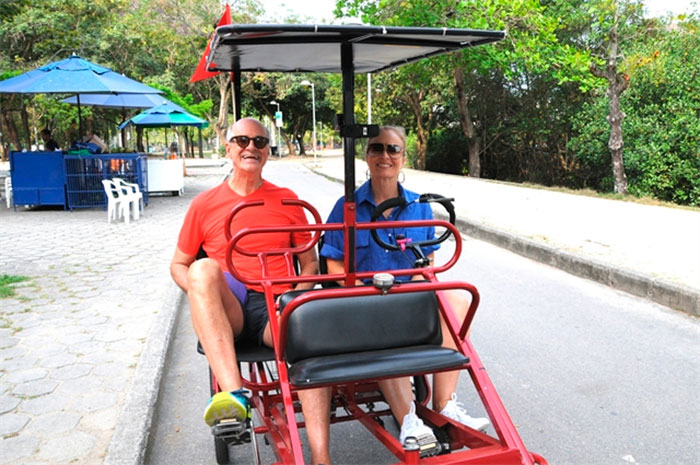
[(232, 431), (425, 443)]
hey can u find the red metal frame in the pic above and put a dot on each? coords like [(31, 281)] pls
[(275, 401)]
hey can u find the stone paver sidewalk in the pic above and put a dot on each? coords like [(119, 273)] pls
[(71, 337)]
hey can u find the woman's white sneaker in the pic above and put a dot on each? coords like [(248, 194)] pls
[(455, 411), (413, 427)]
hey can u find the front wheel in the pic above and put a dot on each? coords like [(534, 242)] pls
[(221, 449)]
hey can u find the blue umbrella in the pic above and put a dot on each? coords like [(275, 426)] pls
[(122, 101), (117, 100), (165, 115), (73, 76)]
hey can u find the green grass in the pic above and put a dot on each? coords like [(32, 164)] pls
[(607, 195), (6, 280)]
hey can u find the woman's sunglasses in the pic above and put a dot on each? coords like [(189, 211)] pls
[(258, 141), (376, 149)]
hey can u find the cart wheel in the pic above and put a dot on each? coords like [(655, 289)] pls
[(221, 449)]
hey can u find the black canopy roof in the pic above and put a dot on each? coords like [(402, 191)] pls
[(346, 49), (315, 48)]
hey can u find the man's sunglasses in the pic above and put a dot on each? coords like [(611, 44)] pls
[(376, 149), (259, 142)]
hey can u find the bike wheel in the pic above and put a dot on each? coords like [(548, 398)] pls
[(221, 449)]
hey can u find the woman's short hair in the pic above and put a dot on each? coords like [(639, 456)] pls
[(398, 130)]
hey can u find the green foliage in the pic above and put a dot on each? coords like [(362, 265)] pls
[(447, 151), (537, 111), (187, 102)]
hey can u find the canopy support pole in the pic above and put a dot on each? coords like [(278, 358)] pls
[(348, 73), (123, 131), (236, 96), (80, 119), (346, 62)]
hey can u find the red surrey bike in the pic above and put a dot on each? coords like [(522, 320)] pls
[(349, 337)]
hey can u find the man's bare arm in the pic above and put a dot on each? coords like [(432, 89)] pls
[(179, 266), (338, 266), (308, 263)]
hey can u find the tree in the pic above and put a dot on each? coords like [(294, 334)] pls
[(609, 18), (530, 44), (33, 34), (410, 96)]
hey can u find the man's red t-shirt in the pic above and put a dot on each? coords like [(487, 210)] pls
[(204, 225)]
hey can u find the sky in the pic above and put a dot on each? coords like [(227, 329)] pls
[(661, 7), (320, 9)]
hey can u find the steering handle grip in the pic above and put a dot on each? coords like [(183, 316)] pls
[(444, 201), (401, 202)]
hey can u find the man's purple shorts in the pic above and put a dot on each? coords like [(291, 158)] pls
[(237, 287)]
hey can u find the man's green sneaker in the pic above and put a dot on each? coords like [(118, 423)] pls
[(227, 405)]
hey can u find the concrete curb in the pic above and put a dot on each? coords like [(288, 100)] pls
[(130, 439), (662, 292), (680, 298)]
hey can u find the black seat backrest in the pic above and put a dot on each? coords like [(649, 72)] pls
[(358, 324)]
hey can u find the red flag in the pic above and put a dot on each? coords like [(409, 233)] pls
[(201, 72)]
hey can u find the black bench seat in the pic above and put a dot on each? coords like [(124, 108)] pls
[(369, 337)]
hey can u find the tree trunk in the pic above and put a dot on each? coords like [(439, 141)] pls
[(221, 125), (617, 84), (421, 146), (414, 101), (467, 124), (25, 124), (9, 132), (139, 139), (616, 143)]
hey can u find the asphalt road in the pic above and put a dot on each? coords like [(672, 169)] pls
[(588, 374)]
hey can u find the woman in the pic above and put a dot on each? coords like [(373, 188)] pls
[(385, 155)]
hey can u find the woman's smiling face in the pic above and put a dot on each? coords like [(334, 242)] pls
[(385, 155)]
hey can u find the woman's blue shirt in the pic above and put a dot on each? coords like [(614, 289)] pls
[(370, 255)]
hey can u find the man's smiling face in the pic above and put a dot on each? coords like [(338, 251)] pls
[(249, 158)]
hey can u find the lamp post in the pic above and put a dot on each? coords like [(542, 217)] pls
[(278, 123), (313, 110)]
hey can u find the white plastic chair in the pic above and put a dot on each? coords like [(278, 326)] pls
[(8, 192), (117, 203), (133, 194)]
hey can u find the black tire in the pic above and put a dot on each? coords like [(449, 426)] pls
[(221, 449), (220, 446)]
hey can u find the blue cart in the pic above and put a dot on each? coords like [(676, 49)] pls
[(72, 181)]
